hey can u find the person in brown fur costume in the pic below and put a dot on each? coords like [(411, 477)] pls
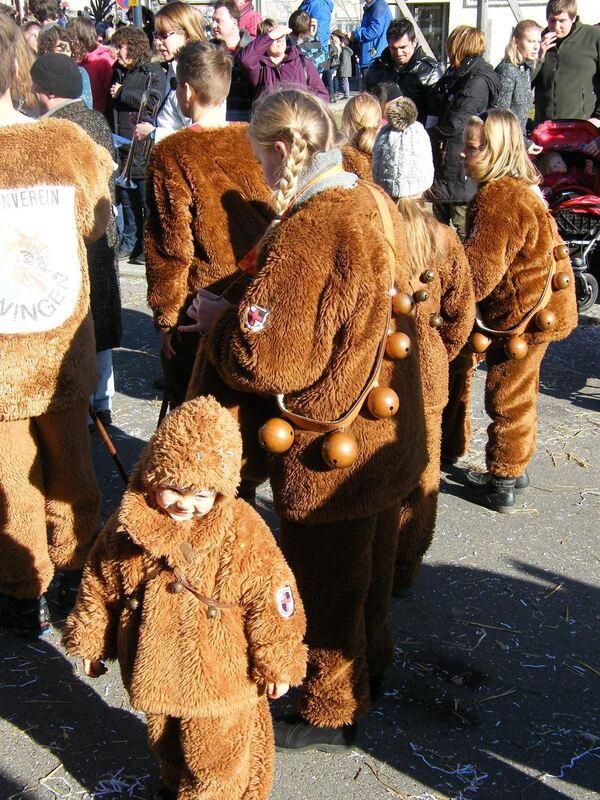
[(310, 328), (403, 166), (513, 246), (360, 123), (187, 588), (208, 205), (49, 500)]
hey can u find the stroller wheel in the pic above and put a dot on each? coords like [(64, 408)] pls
[(586, 290)]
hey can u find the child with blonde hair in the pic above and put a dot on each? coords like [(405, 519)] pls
[(360, 123), (403, 166), (311, 331), (523, 283)]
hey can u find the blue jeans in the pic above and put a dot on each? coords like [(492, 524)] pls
[(134, 208), (101, 400)]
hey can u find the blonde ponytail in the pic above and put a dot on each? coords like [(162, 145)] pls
[(361, 121)]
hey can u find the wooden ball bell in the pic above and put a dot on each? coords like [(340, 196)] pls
[(339, 450), (421, 295), (516, 348), (560, 252), (479, 342), (402, 303), (428, 276), (398, 346), (212, 612), (276, 435), (545, 319), (383, 402), (562, 280), (176, 587), (436, 320)]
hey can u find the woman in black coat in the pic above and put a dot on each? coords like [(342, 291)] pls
[(132, 75), (468, 87)]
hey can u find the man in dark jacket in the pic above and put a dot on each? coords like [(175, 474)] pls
[(404, 62), (567, 83), (226, 28), (57, 85)]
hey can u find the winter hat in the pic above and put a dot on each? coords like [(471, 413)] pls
[(57, 74), (196, 446), (402, 160)]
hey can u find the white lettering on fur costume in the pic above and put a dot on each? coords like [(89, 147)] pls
[(40, 273)]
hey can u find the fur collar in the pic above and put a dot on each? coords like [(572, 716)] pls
[(163, 538)]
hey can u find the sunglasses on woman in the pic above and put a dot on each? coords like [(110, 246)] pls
[(164, 36)]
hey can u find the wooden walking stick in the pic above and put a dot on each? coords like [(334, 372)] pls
[(109, 445)]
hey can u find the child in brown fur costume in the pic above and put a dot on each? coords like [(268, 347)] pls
[(187, 588), (310, 327), (513, 245), (208, 205), (49, 499), (403, 166)]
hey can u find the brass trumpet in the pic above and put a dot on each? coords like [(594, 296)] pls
[(124, 180)]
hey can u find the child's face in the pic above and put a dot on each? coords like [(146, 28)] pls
[(184, 505)]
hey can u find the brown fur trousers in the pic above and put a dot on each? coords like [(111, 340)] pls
[(228, 757), (49, 504), (347, 634)]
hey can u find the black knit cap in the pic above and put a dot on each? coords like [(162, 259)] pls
[(57, 74)]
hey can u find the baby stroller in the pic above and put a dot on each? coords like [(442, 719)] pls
[(571, 187)]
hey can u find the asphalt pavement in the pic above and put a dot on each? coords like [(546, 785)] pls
[(496, 684)]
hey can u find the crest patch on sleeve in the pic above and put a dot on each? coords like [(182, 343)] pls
[(285, 601), (256, 318)]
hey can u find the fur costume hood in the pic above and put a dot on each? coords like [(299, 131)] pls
[(318, 345), (510, 251), (196, 446), (51, 207), (202, 651), (209, 205)]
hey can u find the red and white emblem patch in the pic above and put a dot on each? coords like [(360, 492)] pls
[(256, 318), (285, 602)]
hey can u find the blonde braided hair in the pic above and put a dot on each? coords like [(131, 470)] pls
[(304, 123)]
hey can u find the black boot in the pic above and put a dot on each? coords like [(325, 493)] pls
[(164, 794), (479, 479), (294, 734), (497, 494), (26, 617), (376, 687), (68, 586)]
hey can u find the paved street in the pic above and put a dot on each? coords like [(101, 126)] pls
[(496, 685)]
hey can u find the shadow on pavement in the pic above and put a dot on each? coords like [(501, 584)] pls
[(495, 674)]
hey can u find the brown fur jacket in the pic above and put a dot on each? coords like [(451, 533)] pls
[(174, 658), (356, 161), (208, 205), (451, 296), (510, 252), (50, 208), (324, 279)]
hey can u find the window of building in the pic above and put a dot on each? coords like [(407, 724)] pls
[(432, 18)]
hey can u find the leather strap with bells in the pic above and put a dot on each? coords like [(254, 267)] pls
[(340, 424), (520, 328)]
